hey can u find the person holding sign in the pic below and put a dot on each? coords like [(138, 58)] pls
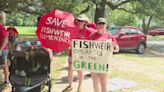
[(100, 80), (84, 33)]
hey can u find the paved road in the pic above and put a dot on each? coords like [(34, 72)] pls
[(156, 45)]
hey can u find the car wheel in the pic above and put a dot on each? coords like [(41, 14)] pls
[(156, 34), (153, 35), (141, 48)]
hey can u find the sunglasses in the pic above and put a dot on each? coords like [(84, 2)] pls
[(80, 20), (101, 23)]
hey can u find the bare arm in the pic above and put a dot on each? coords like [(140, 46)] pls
[(116, 47), (4, 43)]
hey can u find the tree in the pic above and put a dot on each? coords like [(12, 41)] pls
[(40, 7), (143, 8), (121, 18), (146, 11), (113, 4)]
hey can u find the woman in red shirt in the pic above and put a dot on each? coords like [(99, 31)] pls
[(3, 47), (100, 80), (84, 34)]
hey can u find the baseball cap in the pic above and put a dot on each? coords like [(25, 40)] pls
[(82, 17), (11, 21), (101, 20)]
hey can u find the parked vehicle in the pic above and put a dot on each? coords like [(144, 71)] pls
[(156, 32), (129, 38)]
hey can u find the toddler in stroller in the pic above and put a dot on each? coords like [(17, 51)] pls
[(30, 69)]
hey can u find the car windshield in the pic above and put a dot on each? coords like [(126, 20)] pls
[(113, 30)]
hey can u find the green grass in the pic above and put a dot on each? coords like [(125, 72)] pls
[(155, 38), (57, 65), (26, 33), (146, 70), (26, 30), (141, 59)]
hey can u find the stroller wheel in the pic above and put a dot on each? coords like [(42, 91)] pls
[(37, 89), (13, 89), (49, 85)]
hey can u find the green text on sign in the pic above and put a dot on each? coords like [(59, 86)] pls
[(90, 66)]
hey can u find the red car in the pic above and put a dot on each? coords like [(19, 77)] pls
[(156, 32), (129, 38)]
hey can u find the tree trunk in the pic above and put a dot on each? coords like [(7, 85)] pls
[(24, 20), (148, 24), (100, 10), (144, 25)]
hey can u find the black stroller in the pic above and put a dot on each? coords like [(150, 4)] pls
[(29, 70)]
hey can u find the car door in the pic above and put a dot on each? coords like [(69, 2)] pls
[(161, 32), (133, 38), (123, 40)]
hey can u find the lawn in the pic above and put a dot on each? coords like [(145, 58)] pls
[(155, 38), (26, 30), (147, 70), (57, 65), (26, 33)]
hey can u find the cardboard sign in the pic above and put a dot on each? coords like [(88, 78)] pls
[(90, 55), (56, 29)]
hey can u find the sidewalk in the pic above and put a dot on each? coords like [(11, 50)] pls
[(62, 82)]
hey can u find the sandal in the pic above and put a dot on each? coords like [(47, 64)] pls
[(67, 89)]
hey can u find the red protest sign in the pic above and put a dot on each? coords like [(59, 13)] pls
[(56, 29)]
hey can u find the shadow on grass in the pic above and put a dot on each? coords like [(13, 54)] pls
[(64, 80), (63, 53)]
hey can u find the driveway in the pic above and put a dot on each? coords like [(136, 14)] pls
[(157, 46)]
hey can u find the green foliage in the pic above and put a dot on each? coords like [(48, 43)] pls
[(44, 6), (121, 18), (141, 8), (22, 19), (19, 22)]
